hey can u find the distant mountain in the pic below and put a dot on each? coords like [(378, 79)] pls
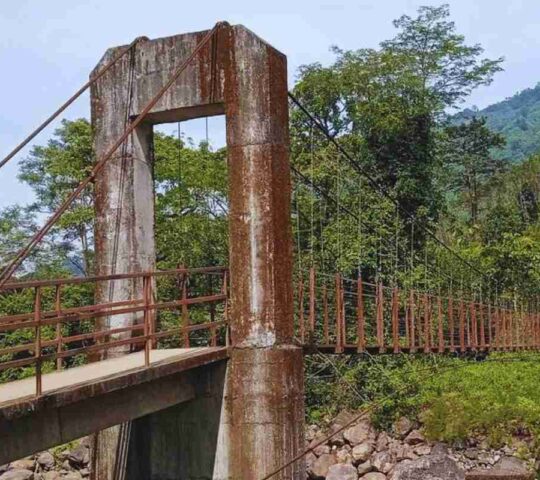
[(517, 118)]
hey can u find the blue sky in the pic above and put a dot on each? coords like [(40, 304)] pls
[(47, 48)]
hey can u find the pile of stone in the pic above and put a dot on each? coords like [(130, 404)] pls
[(361, 452), (68, 464)]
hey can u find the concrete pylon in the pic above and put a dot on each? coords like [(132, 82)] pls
[(241, 76)]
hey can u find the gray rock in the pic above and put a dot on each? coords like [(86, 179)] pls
[(374, 476), (72, 476), (382, 462), (415, 437), (17, 474), (362, 451), (402, 427), (429, 467), (342, 472), (79, 456), (46, 460), (512, 464), (321, 450), (319, 468), (365, 467), (382, 442), (425, 449), (51, 475), (23, 464), (359, 433)]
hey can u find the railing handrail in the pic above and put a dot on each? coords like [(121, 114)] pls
[(99, 278)]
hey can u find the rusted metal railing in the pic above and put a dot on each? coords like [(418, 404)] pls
[(353, 315), (51, 348)]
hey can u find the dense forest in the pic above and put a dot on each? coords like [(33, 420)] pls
[(471, 182), (517, 118)]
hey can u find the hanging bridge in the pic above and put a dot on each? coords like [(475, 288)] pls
[(210, 358)]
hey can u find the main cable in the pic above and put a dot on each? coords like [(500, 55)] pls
[(23, 253), (70, 100)]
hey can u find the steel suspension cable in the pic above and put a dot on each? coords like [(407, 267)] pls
[(70, 100), (376, 185), (23, 253)]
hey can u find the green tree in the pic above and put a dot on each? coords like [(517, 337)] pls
[(467, 156), (392, 99)]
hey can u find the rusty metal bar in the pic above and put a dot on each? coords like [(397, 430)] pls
[(37, 351), (58, 310), (185, 313), (339, 314), (213, 332), (69, 101), (147, 292), (461, 326), (360, 316), (301, 319), (451, 325), (412, 305), (312, 280), (380, 317), (326, 322), (427, 324), (395, 320), (440, 326), (474, 326)]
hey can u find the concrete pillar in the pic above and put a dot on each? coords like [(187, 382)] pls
[(265, 395), (238, 74)]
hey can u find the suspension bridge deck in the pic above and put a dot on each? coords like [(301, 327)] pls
[(107, 375)]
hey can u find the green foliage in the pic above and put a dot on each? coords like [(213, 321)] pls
[(517, 118), (453, 398)]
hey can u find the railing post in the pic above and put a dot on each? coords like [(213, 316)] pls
[(312, 280), (58, 311), (147, 291), (185, 313), (451, 322), (395, 319), (301, 320), (427, 324), (361, 325), (326, 321), (461, 325), (213, 331), (37, 347), (440, 324), (412, 338), (380, 317), (339, 313)]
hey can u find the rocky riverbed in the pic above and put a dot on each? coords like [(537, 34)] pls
[(358, 452)]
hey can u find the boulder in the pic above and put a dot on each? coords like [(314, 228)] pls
[(319, 468), (342, 472), (23, 464), (46, 460), (50, 475), (364, 468), (374, 476), (507, 467), (429, 467), (343, 455), (402, 427), (72, 476), (382, 462), (359, 433), (79, 456), (362, 451), (415, 437), (382, 442), (17, 474)]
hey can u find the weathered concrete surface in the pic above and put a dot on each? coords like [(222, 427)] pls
[(77, 410), (240, 75), (161, 444)]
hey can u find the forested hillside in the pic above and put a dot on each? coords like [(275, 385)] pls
[(518, 119)]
